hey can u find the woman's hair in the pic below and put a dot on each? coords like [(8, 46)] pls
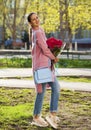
[(29, 16)]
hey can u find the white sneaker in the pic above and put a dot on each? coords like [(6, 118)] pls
[(52, 120), (39, 122), (56, 118)]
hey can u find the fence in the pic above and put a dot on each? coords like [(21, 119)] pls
[(27, 53)]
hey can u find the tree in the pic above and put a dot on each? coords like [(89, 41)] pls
[(80, 15), (74, 15), (66, 16), (3, 17), (13, 15), (48, 13)]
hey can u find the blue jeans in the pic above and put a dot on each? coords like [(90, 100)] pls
[(55, 92)]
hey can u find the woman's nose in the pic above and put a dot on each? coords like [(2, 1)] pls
[(37, 19)]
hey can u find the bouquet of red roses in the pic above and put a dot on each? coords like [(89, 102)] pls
[(55, 45)]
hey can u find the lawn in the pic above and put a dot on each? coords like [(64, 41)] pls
[(16, 106)]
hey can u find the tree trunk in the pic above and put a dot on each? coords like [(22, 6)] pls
[(14, 22), (65, 30)]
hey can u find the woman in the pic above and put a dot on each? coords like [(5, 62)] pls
[(42, 57)]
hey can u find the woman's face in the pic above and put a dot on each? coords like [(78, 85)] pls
[(34, 21)]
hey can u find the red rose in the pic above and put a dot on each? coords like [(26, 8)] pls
[(55, 45), (53, 42)]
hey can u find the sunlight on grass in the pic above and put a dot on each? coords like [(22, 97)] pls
[(15, 112)]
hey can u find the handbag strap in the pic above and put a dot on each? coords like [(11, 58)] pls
[(34, 38), (34, 42)]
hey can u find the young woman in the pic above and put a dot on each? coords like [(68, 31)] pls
[(42, 57)]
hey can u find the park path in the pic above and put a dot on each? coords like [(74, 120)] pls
[(9, 78)]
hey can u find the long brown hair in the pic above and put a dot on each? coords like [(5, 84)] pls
[(30, 29), (29, 16)]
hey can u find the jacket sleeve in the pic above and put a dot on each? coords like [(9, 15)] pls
[(43, 45)]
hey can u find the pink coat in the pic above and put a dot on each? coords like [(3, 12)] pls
[(41, 54)]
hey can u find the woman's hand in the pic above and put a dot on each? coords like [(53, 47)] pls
[(56, 60)]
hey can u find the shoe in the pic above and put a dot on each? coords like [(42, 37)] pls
[(57, 120), (39, 122), (52, 120)]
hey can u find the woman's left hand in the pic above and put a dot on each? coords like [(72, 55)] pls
[(56, 60)]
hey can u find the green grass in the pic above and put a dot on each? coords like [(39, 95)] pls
[(15, 62), (74, 63), (27, 63), (16, 107), (19, 111), (75, 79), (68, 79)]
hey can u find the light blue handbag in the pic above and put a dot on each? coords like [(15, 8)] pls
[(43, 75)]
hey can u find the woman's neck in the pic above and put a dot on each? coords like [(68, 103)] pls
[(35, 28)]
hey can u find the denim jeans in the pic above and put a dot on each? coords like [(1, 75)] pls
[(55, 92)]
